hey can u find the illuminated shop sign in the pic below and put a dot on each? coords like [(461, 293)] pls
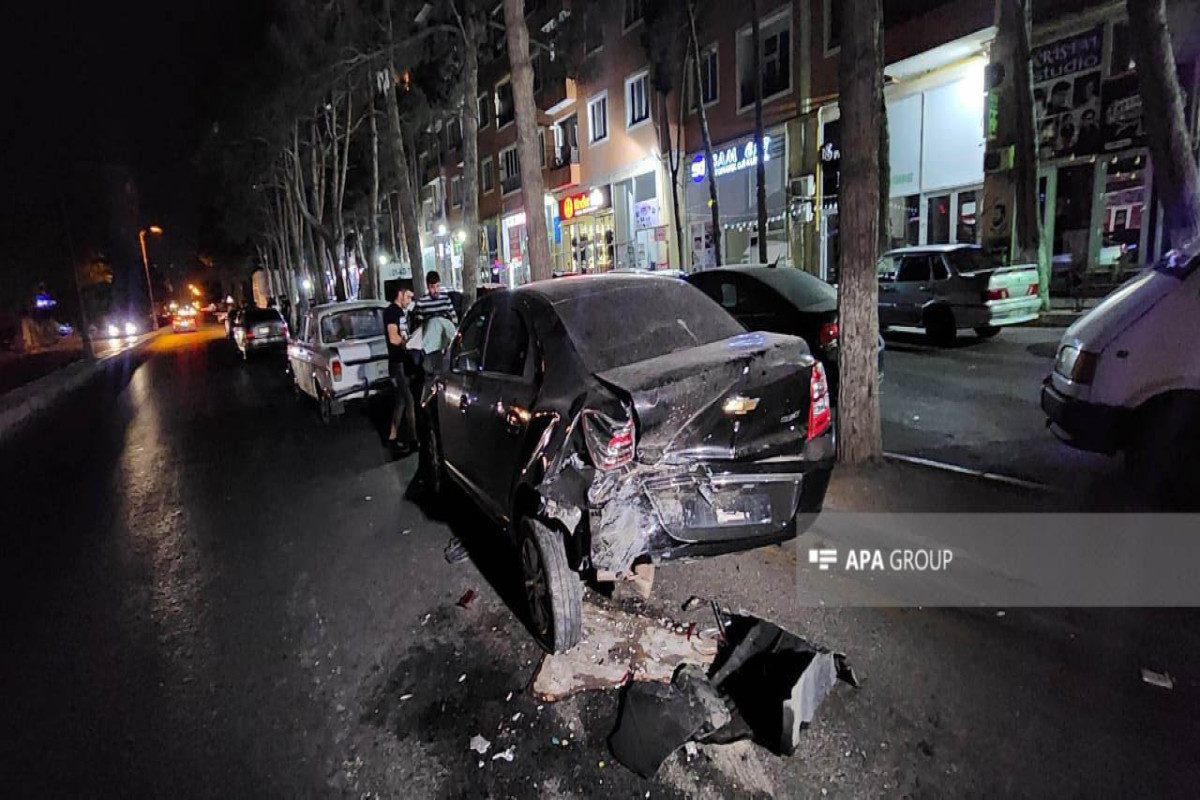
[(573, 205), (731, 159)]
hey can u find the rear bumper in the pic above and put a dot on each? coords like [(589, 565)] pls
[(365, 388), (702, 509), (1084, 425), (998, 313), (265, 343)]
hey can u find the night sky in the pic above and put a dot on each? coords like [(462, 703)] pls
[(133, 83)]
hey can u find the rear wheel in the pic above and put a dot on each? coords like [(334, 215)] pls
[(986, 331), (940, 327), (325, 407), (553, 591), (434, 465)]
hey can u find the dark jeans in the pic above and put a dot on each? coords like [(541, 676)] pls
[(404, 412)]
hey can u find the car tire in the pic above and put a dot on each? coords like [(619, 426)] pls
[(553, 591), (940, 326), (987, 331), (325, 407)]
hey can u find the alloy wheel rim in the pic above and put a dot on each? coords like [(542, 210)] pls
[(535, 586)]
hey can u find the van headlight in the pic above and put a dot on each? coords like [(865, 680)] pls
[(1076, 365)]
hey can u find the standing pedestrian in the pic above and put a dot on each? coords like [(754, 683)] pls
[(402, 438)]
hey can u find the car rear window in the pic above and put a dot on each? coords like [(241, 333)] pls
[(358, 323), (631, 322), (257, 315), (970, 260), (803, 290)]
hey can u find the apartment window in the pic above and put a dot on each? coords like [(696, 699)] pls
[(776, 34), (510, 170), (456, 194), (833, 25), (634, 11), (708, 78), (486, 178), (598, 118), (454, 134), (483, 111), (505, 111), (637, 99), (593, 30), (542, 145)]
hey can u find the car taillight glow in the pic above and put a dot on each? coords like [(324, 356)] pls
[(829, 334), (1033, 290), (819, 414), (610, 443), (337, 370), (996, 294)]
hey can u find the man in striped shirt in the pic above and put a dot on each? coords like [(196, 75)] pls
[(434, 303)]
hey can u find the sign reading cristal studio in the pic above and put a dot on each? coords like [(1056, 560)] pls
[(573, 205), (731, 159)]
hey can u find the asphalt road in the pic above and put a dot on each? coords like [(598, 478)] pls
[(208, 593), (977, 404)]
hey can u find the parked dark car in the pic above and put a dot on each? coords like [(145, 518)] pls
[(258, 329), (613, 419), (781, 300)]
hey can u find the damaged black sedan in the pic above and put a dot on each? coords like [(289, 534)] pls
[(615, 419)]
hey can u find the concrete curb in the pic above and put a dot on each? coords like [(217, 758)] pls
[(23, 404)]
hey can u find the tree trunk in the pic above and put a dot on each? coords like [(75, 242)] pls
[(760, 167), (371, 275), (470, 126), (408, 208), (708, 155), (532, 187), (860, 76), (1174, 164), (885, 167)]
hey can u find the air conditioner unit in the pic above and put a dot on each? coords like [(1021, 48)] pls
[(804, 186)]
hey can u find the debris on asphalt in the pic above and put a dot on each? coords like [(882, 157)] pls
[(1159, 679), (506, 755), (404, 697), (656, 720), (456, 551), (462, 677), (692, 602), (406, 532), (767, 688), (479, 744), (618, 647), (509, 697), (467, 598), (425, 619)]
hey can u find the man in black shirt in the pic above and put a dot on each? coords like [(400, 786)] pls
[(395, 323)]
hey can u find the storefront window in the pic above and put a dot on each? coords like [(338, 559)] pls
[(1072, 223), (967, 231), (1121, 224), (939, 219), (904, 221)]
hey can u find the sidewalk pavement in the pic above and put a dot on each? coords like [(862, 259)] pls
[(22, 404)]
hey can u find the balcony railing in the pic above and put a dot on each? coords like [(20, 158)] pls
[(562, 167), (510, 183)]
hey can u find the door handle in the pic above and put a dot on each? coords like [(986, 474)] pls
[(512, 421), (464, 402)]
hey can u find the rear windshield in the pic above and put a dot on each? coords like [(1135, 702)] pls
[(358, 323), (618, 325), (970, 260), (256, 315), (803, 290)]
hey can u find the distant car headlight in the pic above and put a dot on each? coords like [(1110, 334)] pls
[(1075, 364), (130, 329), (113, 330)]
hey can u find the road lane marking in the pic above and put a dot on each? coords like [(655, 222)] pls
[(977, 473)]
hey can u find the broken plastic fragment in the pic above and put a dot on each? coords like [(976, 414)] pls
[(506, 755), (467, 598), (479, 744), (1160, 679)]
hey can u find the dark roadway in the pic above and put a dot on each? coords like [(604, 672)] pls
[(207, 593)]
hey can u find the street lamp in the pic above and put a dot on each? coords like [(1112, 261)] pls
[(157, 231)]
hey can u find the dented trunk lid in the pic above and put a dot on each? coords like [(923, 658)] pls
[(679, 399)]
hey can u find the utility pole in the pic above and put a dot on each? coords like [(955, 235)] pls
[(157, 231)]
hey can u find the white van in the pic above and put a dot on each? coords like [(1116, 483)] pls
[(1127, 377)]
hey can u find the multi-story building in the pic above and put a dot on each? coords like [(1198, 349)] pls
[(608, 192)]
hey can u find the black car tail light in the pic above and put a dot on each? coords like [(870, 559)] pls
[(819, 413), (610, 442)]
